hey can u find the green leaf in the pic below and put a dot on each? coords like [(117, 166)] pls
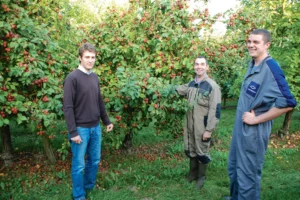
[(46, 123), (6, 121), (151, 108), (2, 185), (2, 98), (21, 118)]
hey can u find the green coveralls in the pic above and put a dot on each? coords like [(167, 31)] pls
[(204, 99)]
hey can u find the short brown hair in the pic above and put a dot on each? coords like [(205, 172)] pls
[(265, 33), (86, 47), (206, 61)]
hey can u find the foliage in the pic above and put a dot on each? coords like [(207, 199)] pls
[(32, 70), (162, 39), (86, 13), (136, 100), (145, 50), (58, 17)]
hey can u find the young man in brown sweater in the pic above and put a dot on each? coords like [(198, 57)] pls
[(83, 109)]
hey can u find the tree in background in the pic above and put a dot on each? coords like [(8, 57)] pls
[(31, 74), (161, 39), (145, 48)]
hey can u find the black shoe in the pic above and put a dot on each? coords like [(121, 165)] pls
[(193, 173), (200, 182), (201, 175)]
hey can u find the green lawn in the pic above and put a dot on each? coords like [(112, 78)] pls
[(153, 170)]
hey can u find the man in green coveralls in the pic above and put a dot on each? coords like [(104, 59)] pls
[(204, 97)]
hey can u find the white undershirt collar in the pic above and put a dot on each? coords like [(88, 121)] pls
[(84, 70)]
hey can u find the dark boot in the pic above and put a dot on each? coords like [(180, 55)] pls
[(201, 175), (193, 173)]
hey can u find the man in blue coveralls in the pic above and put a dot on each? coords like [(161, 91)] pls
[(265, 95)]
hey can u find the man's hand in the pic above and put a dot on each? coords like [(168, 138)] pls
[(109, 127), (250, 118), (76, 139), (206, 135)]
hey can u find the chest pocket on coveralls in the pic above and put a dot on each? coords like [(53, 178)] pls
[(203, 98), (251, 89)]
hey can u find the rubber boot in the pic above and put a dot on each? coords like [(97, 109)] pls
[(201, 175), (193, 173)]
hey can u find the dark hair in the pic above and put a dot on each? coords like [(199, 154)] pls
[(203, 58), (86, 47), (265, 33)]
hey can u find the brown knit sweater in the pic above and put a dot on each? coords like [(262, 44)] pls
[(83, 104)]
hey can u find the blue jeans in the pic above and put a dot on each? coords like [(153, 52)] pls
[(84, 173)]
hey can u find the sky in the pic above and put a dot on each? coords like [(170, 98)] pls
[(218, 6), (214, 7)]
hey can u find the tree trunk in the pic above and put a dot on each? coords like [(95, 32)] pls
[(224, 101), (284, 131), (7, 149), (127, 142), (48, 149)]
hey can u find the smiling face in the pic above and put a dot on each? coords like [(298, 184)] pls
[(257, 47), (87, 60), (200, 67)]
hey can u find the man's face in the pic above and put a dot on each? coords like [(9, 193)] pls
[(256, 46), (200, 66), (87, 60)]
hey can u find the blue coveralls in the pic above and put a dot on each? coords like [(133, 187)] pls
[(261, 90)]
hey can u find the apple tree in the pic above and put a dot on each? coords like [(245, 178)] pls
[(30, 75), (145, 50)]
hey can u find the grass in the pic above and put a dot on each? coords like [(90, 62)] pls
[(153, 170)]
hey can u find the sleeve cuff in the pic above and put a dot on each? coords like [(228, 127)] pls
[(73, 134)]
